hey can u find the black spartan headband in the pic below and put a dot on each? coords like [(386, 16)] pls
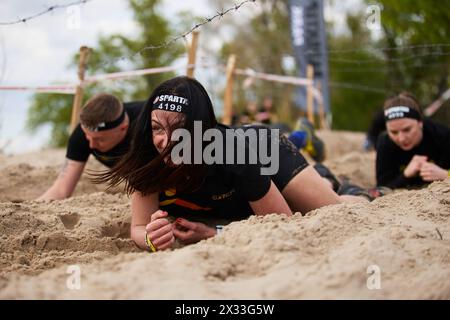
[(400, 112), (102, 126), (168, 102)]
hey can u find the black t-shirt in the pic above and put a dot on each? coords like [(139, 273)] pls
[(392, 160), (377, 127), (225, 193), (78, 147)]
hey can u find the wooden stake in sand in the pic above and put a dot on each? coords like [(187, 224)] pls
[(228, 99), (323, 122), (192, 54), (309, 94), (78, 99)]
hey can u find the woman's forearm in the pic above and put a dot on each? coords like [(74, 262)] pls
[(138, 236)]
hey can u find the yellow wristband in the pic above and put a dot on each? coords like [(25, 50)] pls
[(448, 174), (149, 243)]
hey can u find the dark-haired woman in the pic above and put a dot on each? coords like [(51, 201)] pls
[(414, 151), (197, 190)]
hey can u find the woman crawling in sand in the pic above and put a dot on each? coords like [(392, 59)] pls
[(415, 151), (167, 171)]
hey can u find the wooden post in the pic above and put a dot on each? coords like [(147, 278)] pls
[(192, 54), (323, 122), (78, 99), (228, 98), (309, 94)]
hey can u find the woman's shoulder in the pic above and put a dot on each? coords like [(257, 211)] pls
[(436, 129), (385, 143)]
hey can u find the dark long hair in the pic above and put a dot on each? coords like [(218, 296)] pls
[(142, 168)]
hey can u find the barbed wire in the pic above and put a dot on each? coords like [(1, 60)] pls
[(219, 15), (380, 60), (397, 48), (385, 69), (48, 10), (353, 86)]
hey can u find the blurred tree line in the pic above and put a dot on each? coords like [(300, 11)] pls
[(364, 70), (154, 29)]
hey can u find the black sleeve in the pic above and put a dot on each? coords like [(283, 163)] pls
[(387, 168), (78, 146), (443, 142), (377, 127), (251, 183), (248, 180)]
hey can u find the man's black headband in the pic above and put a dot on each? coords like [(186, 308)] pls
[(172, 103), (401, 112), (102, 126)]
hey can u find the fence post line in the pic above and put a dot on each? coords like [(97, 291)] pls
[(192, 54), (228, 99), (309, 94), (78, 99)]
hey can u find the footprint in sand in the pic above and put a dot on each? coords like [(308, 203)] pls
[(69, 220)]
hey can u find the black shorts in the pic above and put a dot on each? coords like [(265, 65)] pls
[(291, 161)]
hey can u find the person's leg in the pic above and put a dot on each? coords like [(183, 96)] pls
[(326, 174), (307, 191), (347, 192), (299, 183)]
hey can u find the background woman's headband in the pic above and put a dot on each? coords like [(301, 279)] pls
[(400, 112), (102, 126), (168, 102)]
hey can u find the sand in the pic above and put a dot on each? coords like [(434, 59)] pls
[(326, 254)]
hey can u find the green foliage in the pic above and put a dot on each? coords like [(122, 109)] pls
[(55, 109), (424, 71), (356, 90), (263, 42), (260, 44), (361, 80)]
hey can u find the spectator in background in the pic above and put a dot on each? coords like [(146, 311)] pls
[(266, 113)]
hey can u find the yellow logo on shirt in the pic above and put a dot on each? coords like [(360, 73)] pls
[(223, 196)]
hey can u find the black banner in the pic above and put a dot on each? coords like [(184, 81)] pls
[(310, 45)]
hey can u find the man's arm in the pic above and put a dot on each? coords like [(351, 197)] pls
[(66, 182)]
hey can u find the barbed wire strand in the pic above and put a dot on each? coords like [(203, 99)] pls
[(385, 69), (399, 48), (219, 15), (352, 86), (368, 61), (44, 12)]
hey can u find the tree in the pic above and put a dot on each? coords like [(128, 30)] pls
[(55, 109), (418, 60), (357, 91), (263, 42), (364, 70)]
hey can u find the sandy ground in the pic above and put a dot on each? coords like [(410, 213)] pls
[(330, 253)]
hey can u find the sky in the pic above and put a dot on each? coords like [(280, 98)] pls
[(38, 52)]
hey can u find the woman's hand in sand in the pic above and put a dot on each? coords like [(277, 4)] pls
[(414, 166), (431, 172), (191, 232), (160, 230)]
